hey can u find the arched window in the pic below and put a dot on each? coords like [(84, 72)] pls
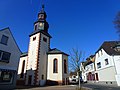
[(65, 66), (42, 77), (22, 72), (55, 66)]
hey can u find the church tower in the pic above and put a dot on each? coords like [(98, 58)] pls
[(39, 45)]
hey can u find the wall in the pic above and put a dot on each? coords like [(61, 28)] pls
[(51, 75), (21, 64), (12, 66), (106, 72), (13, 49)]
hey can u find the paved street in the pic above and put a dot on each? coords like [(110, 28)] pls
[(100, 87), (89, 86), (68, 87)]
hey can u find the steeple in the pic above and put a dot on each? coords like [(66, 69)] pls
[(41, 23), (42, 14)]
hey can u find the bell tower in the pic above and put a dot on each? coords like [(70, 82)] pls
[(41, 23), (39, 45)]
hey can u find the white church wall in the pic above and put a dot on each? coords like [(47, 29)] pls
[(44, 47), (51, 75), (20, 66), (64, 57)]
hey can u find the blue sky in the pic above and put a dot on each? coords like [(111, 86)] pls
[(82, 24)]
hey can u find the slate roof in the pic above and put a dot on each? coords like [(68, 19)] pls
[(56, 51), (110, 46), (41, 31)]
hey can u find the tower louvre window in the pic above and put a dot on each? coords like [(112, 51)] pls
[(34, 38), (44, 39), (35, 27)]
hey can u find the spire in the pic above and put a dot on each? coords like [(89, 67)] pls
[(43, 6), (42, 12)]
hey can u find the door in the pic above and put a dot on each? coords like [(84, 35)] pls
[(97, 76), (29, 79)]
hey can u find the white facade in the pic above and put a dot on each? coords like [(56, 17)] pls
[(9, 58), (22, 69), (107, 67), (39, 64), (60, 76), (88, 69)]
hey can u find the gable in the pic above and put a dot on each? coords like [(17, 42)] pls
[(11, 43)]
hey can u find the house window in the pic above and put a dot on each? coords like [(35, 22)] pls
[(6, 77), (22, 72), (4, 40), (34, 38), (98, 65), (65, 66), (44, 39), (106, 62), (55, 66), (4, 56)]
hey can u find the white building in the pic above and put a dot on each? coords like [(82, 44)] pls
[(88, 69), (107, 61), (41, 64), (9, 59)]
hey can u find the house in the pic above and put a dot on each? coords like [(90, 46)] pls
[(107, 62), (9, 59), (42, 65), (88, 69)]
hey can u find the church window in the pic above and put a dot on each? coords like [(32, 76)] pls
[(22, 72), (55, 66), (65, 66), (4, 40), (42, 77), (44, 39), (34, 38)]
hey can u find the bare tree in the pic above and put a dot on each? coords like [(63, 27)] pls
[(117, 23), (76, 57)]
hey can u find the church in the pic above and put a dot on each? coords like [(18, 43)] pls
[(42, 65)]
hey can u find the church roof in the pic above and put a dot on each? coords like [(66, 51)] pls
[(56, 51), (41, 31), (24, 54), (110, 47)]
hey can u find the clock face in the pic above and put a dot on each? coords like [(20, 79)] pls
[(41, 26)]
